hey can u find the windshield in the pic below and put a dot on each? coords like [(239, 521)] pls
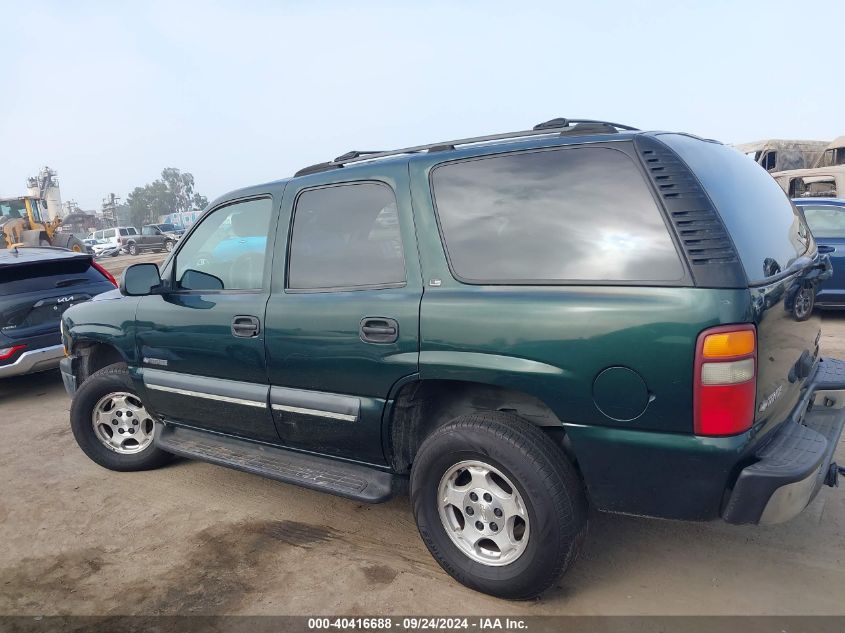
[(12, 209)]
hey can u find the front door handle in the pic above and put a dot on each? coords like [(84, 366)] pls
[(379, 330), (245, 326)]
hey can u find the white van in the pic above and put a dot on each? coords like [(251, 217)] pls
[(112, 239)]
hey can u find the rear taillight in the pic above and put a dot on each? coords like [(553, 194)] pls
[(104, 273), (7, 352), (725, 382)]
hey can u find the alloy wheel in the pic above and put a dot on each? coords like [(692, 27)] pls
[(122, 424), (483, 513)]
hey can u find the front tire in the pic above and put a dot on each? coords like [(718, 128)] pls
[(498, 504), (168, 246), (111, 424)]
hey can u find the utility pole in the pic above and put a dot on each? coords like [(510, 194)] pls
[(110, 210)]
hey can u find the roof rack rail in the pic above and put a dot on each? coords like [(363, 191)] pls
[(553, 126)]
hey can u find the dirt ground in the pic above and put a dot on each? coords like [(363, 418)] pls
[(116, 265), (197, 538)]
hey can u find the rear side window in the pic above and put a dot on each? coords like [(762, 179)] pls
[(581, 214), (346, 236), (766, 230)]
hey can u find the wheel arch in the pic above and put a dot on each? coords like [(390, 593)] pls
[(419, 407), (93, 356)]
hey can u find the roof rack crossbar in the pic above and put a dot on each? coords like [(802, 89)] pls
[(554, 126)]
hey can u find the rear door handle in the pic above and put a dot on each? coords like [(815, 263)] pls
[(379, 330), (245, 326)]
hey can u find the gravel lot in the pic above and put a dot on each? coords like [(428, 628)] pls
[(116, 265), (196, 538)]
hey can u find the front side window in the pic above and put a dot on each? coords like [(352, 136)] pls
[(149, 230), (109, 234), (346, 236), (826, 221), (227, 250), (571, 214)]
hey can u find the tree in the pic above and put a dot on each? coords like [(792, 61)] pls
[(172, 193)]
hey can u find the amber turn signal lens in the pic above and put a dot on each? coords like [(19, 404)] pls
[(728, 344)]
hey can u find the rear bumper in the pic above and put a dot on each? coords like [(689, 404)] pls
[(34, 360), (791, 468)]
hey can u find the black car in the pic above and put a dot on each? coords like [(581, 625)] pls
[(36, 286)]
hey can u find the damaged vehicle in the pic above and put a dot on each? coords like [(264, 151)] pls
[(513, 328), (780, 154), (37, 284)]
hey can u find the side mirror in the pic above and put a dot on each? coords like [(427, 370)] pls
[(139, 280), (198, 280)]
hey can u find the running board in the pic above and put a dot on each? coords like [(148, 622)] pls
[(352, 481)]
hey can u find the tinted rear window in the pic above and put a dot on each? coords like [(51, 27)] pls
[(551, 216), (766, 231), (47, 275)]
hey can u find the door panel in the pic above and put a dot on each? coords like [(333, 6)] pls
[(827, 222), (200, 365), (329, 385)]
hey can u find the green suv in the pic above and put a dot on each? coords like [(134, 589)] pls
[(514, 328)]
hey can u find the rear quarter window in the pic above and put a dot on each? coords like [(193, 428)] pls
[(575, 214), (766, 231)]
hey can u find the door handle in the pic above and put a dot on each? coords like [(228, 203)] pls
[(245, 326), (379, 330)]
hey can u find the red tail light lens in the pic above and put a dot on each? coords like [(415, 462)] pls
[(7, 352), (725, 382), (104, 273)]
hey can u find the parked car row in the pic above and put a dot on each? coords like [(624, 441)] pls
[(126, 239)]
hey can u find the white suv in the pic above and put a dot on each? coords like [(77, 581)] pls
[(112, 239)]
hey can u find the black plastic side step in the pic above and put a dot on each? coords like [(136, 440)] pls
[(830, 374), (352, 481)]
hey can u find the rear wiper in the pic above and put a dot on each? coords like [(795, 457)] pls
[(64, 283)]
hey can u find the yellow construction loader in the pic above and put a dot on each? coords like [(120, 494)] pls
[(23, 222)]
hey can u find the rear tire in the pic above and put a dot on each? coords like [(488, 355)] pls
[(498, 451), (123, 422), (133, 249)]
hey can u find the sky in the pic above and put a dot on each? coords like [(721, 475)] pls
[(237, 93)]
